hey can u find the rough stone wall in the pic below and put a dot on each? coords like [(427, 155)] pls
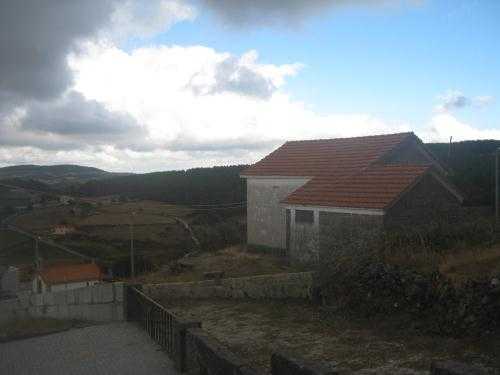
[(283, 363), (266, 219), (347, 234), (206, 355), (428, 201), (103, 302), (280, 286), (304, 239)]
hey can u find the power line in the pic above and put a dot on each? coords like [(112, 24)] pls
[(50, 243)]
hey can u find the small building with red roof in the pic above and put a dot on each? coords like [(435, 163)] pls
[(316, 197), (56, 277)]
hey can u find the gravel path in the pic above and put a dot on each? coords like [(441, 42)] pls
[(117, 348)]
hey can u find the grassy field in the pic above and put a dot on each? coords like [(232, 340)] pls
[(234, 261), (460, 264), (103, 231)]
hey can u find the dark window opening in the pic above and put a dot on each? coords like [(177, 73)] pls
[(304, 217)]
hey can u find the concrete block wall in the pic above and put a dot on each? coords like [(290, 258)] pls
[(278, 286), (101, 302)]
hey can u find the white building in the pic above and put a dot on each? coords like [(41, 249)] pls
[(62, 230), (66, 276)]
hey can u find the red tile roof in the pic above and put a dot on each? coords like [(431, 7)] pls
[(344, 172), (331, 157), (374, 188), (70, 273)]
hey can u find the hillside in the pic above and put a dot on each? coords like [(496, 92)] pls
[(472, 164), (194, 186), (63, 174)]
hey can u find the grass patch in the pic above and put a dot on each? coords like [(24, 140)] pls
[(234, 261), (460, 264)]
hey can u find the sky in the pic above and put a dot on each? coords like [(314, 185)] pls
[(154, 85)]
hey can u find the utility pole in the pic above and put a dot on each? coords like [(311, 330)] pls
[(37, 255), (449, 151), (132, 257)]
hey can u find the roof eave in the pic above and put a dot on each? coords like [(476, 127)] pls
[(336, 209)]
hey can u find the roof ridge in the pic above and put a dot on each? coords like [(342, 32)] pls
[(356, 137)]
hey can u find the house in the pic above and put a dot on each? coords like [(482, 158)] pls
[(62, 229), (314, 198), (66, 276)]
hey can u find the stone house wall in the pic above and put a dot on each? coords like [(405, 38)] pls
[(266, 217), (304, 238), (347, 234)]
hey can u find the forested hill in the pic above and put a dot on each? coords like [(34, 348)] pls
[(193, 186), (57, 176), (472, 164)]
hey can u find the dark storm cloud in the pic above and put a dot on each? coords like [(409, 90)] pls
[(35, 39), (73, 122), (74, 116), (36, 108), (287, 13)]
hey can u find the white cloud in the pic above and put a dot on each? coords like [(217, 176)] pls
[(144, 19), (242, 76), (454, 99), (228, 124), (443, 126)]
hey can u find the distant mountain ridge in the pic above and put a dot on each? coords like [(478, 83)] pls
[(62, 174)]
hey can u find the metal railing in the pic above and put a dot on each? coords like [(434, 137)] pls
[(157, 321), (166, 329)]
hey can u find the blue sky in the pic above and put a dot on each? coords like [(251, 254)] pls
[(392, 61), (170, 84)]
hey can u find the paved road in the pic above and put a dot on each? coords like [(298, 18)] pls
[(116, 348)]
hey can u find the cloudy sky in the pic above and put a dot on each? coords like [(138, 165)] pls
[(146, 85)]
